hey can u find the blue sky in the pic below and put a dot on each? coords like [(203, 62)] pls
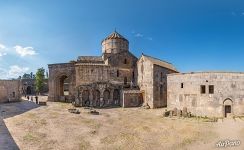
[(194, 35)]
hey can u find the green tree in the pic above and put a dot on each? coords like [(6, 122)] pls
[(26, 76), (40, 79)]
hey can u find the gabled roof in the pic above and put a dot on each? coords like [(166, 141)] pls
[(159, 62)]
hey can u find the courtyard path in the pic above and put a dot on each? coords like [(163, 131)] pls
[(9, 110), (6, 140)]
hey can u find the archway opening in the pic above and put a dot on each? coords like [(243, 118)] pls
[(96, 98), (64, 85), (227, 107), (106, 96), (116, 97), (85, 98), (28, 90)]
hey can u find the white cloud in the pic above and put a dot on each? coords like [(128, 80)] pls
[(138, 35), (15, 71), (2, 46), (24, 51), (2, 54), (2, 50)]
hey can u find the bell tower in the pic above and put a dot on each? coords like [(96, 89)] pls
[(114, 43)]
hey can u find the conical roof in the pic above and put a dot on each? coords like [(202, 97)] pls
[(115, 35)]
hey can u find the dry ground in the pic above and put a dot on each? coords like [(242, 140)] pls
[(53, 127)]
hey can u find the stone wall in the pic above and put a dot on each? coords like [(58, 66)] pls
[(99, 94), (57, 74), (152, 81), (145, 80), (10, 90), (160, 86), (184, 90), (132, 98)]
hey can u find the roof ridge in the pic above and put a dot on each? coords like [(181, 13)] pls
[(157, 58)]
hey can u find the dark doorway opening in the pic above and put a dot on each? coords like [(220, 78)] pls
[(28, 90), (227, 109)]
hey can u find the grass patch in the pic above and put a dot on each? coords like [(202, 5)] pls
[(29, 137), (84, 145)]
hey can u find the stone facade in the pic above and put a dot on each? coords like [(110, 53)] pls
[(152, 80), (95, 80), (9, 90), (132, 98), (103, 80), (217, 94)]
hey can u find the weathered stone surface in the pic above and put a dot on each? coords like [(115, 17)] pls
[(175, 112), (10, 90), (228, 91), (102, 81), (152, 80)]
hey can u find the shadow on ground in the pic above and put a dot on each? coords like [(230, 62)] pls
[(8, 110)]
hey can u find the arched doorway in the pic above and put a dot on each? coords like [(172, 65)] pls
[(116, 97), (28, 90), (228, 107), (106, 96), (96, 98), (85, 98)]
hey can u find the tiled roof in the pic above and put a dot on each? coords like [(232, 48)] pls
[(115, 35)]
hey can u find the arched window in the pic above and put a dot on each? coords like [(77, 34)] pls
[(133, 76), (125, 61)]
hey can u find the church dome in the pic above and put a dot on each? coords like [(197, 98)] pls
[(115, 43), (115, 35)]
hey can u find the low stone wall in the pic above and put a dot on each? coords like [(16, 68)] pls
[(9, 90), (132, 98)]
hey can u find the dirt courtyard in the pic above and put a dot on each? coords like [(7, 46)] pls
[(25, 125)]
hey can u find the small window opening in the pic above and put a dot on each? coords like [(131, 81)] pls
[(211, 89), (182, 85), (133, 75), (203, 89)]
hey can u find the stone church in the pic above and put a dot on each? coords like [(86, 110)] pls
[(116, 78)]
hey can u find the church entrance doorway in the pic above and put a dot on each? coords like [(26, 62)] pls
[(227, 109)]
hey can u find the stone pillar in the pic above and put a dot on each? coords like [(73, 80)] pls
[(111, 101), (91, 97), (101, 98), (81, 100)]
